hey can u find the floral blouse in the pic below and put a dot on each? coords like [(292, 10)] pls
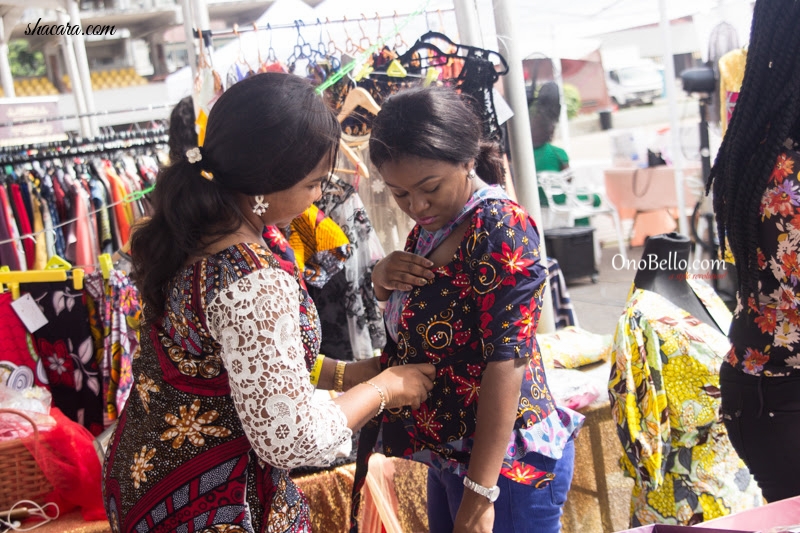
[(664, 391), (481, 307), (766, 334)]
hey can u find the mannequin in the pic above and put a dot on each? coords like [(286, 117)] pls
[(663, 257)]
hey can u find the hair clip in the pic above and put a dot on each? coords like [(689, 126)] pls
[(194, 155), (207, 175)]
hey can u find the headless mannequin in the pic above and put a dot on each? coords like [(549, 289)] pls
[(670, 251)]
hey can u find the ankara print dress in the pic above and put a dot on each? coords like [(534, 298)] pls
[(665, 398), (481, 307), (221, 407)]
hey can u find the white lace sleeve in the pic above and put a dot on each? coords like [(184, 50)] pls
[(256, 320)]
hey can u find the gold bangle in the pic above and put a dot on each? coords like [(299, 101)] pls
[(316, 370), (338, 376)]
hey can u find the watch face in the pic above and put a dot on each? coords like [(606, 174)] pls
[(494, 493)]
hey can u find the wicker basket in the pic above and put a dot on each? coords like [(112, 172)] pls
[(21, 478)]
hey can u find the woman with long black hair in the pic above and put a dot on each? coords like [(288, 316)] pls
[(757, 203)]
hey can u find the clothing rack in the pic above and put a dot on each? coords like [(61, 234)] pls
[(80, 146), (299, 24)]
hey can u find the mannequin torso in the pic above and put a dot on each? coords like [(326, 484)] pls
[(665, 260)]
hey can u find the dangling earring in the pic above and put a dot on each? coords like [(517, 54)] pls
[(261, 206), (472, 174)]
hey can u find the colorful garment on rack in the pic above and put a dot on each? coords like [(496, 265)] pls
[(67, 350), (181, 439), (664, 391), (350, 293), (320, 246), (117, 322), (20, 364)]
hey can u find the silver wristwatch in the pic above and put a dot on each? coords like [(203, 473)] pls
[(490, 494)]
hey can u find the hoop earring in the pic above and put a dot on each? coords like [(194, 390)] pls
[(261, 206)]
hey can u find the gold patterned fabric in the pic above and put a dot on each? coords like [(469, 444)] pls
[(664, 390)]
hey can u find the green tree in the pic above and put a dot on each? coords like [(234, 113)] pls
[(24, 62), (573, 98)]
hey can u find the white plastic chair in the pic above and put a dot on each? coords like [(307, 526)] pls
[(574, 208)]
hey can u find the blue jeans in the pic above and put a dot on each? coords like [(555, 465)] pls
[(519, 509)]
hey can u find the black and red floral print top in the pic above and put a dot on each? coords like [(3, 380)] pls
[(765, 334)]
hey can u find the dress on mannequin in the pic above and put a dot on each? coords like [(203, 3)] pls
[(664, 390)]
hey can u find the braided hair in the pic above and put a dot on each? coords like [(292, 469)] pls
[(766, 114)]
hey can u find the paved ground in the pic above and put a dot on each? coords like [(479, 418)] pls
[(599, 305)]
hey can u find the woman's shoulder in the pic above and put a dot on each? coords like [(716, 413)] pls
[(501, 214), (220, 270)]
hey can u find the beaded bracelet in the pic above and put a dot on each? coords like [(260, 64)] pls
[(383, 398)]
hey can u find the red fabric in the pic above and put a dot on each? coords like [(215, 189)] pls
[(14, 346), (24, 225), (67, 457)]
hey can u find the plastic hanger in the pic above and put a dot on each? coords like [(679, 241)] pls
[(106, 265), (396, 70), (57, 262)]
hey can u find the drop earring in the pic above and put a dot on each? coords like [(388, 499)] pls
[(261, 206)]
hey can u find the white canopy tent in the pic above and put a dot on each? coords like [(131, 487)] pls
[(517, 29)]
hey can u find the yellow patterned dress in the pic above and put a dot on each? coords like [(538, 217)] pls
[(664, 390)]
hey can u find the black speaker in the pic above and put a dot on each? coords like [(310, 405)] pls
[(699, 80)]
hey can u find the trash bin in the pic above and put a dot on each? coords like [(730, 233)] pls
[(605, 119)]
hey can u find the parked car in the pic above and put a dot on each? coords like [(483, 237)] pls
[(640, 83)]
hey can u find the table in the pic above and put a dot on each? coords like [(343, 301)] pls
[(648, 196)]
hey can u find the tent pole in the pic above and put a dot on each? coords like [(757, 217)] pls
[(74, 76), (82, 63), (186, 10), (5, 66), (520, 136), (674, 125), (469, 30)]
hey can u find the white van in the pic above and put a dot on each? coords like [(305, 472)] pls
[(640, 83)]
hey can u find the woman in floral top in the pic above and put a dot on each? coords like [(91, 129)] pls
[(466, 296), (757, 204)]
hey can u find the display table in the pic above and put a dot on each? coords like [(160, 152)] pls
[(599, 499), (777, 514), (648, 196)]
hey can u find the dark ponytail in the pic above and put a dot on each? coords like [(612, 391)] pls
[(433, 123), (264, 134)]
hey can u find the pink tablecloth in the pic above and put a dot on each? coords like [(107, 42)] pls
[(762, 519)]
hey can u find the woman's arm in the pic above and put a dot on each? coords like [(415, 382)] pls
[(497, 411), (355, 372)]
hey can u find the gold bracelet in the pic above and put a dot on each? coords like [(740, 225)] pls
[(383, 397), (316, 370), (338, 376)]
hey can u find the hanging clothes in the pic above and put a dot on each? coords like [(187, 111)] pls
[(664, 391), (66, 348), (350, 292), (20, 364), (320, 246)]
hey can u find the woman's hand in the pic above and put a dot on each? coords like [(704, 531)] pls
[(406, 384), (400, 271), (475, 514)]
